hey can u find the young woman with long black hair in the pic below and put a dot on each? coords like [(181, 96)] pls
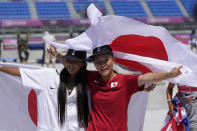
[(73, 77), (62, 97)]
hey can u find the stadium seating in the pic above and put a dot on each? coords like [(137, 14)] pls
[(52, 10), (164, 8), (189, 5), (14, 10), (81, 5), (57, 9), (128, 8)]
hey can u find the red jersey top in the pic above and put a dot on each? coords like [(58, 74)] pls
[(109, 101)]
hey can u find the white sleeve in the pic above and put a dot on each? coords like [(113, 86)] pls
[(36, 78)]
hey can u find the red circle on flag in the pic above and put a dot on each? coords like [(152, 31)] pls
[(139, 45), (32, 106)]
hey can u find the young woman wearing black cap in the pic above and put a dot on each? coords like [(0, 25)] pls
[(111, 92), (63, 108), (115, 90)]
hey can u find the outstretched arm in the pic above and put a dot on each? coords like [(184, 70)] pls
[(157, 77), (10, 70), (169, 92)]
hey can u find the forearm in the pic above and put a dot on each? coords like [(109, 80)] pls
[(157, 77), (10, 70), (60, 58), (169, 92), (152, 78)]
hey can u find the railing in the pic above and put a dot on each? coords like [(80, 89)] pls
[(34, 23)]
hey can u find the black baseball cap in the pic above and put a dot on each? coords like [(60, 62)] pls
[(106, 49), (75, 55)]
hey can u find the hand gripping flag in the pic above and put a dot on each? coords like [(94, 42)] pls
[(136, 45)]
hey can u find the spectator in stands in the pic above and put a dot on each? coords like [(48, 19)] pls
[(187, 95), (193, 39), (22, 44), (47, 38)]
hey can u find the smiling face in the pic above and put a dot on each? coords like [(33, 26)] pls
[(104, 64), (73, 66)]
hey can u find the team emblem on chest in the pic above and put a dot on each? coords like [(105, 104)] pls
[(114, 84)]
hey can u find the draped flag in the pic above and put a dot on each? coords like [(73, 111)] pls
[(18, 109), (180, 121), (136, 45)]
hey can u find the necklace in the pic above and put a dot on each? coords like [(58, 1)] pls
[(69, 91), (70, 88)]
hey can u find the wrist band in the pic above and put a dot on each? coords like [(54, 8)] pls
[(169, 100)]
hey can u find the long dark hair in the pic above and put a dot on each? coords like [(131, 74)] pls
[(82, 97)]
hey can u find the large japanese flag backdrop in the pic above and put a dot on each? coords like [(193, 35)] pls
[(139, 46), (136, 45)]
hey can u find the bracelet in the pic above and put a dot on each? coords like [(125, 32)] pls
[(169, 100)]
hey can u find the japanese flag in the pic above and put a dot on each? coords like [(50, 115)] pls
[(136, 45), (18, 109)]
